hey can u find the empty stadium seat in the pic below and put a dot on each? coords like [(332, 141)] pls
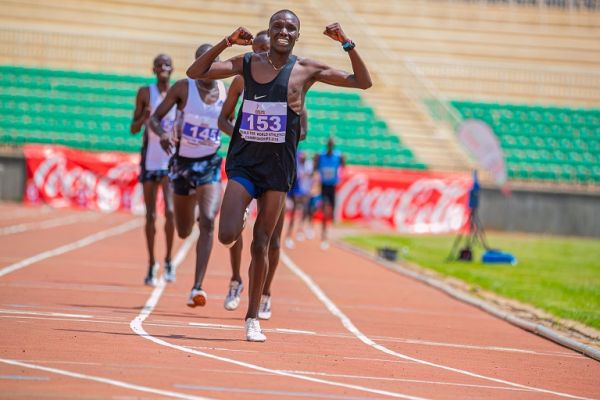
[(543, 143), (93, 111)]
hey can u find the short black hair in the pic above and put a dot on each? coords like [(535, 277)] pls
[(285, 11), (263, 32), (162, 55), (203, 48)]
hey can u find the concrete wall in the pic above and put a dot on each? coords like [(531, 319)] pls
[(529, 210), (12, 175)]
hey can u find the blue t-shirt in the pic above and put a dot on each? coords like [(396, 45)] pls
[(329, 165)]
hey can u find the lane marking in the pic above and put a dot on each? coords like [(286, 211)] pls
[(49, 314), (173, 323), (60, 362), (100, 379), (237, 327), (223, 349), (86, 241), (390, 339), (283, 330), (379, 378), (270, 392), (136, 326), (74, 286), (347, 323), (216, 326), (178, 258), (24, 378), (19, 212), (376, 378), (51, 223), (476, 347)]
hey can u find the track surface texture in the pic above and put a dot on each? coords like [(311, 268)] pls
[(77, 322)]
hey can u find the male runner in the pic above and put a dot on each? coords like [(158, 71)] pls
[(261, 160), (195, 167), (260, 44), (155, 163), (299, 195), (328, 163)]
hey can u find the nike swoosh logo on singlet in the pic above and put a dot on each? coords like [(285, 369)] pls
[(259, 97)]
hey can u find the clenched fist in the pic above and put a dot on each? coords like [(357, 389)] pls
[(335, 32), (241, 36)]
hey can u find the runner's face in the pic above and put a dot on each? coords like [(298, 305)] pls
[(163, 67), (283, 32), (261, 44)]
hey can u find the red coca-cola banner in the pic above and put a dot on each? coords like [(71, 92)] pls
[(407, 201), (65, 177)]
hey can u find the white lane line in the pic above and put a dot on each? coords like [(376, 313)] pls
[(74, 286), (59, 362), (271, 393), (127, 226), (19, 212), (297, 331), (47, 314), (51, 223), (94, 321), (203, 325), (137, 327), (237, 327), (215, 326), (256, 351), (222, 349), (100, 379), (347, 323), (379, 378), (389, 339), (178, 258), (376, 378), (24, 378), (475, 347)]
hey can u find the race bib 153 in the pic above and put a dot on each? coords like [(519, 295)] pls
[(263, 121)]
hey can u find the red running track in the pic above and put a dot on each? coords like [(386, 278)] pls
[(78, 323)]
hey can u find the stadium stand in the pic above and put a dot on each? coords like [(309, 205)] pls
[(543, 143), (477, 51), (93, 111)]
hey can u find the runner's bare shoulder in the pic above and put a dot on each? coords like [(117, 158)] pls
[(312, 65)]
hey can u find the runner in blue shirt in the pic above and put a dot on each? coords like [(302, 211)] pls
[(328, 163)]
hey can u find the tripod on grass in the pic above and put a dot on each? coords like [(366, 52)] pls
[(476, 234)]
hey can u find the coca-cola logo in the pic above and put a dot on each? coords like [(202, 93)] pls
[(427, 205), (54, 179), (64, 183)]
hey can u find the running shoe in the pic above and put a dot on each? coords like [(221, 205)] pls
[(232, 300), (169, 271), (150, 279), (253, 331), (324, 245), (264, 310), (197, 298), (300, 236)]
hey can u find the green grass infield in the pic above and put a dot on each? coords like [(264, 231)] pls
[(560, 275)]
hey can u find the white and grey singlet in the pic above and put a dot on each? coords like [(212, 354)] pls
[(200, 135), (153, 156)]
